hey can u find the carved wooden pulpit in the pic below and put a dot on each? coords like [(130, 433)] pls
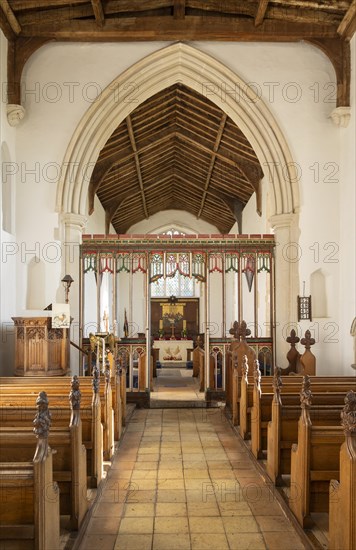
[(40, 350)]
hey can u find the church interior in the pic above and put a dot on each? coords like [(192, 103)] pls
[(177, 276)]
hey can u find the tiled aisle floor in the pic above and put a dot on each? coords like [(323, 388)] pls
[(182, 480)]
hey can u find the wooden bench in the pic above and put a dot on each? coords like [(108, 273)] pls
[(29, 512), (342, 499), (113, 399), (263, 395), (314, 462), (69, 460), (16, 410)]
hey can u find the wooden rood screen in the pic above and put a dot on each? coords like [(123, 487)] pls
[(232, 278)]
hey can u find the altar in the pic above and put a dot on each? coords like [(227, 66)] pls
[(173, 350)]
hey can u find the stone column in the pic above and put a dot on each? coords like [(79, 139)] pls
[(73, 226), (287, 255)]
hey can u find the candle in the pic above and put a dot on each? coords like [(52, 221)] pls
[(103, 340), (161, 323), (184, 323), (115, 322)]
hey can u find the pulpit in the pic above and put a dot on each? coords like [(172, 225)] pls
[(40, 349)]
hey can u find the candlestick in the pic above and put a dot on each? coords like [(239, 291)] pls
[(161, 323), (184, 324), (115, 323)]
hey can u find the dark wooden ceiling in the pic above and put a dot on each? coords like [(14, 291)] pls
[(193, 19), (176, 150)]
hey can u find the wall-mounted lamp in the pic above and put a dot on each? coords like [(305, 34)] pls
[(67, 281), (304, 306)]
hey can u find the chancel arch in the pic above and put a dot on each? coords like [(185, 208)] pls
[(181, 65)]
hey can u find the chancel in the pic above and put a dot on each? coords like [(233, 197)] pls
[(178, 182)]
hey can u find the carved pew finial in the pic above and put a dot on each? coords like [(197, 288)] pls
[(240, 331), (277, 384), (42, 421), (305, 393), (107, 371), (307, 360), (257, 374), (292, 339), (75, 394), (96, 379), (245, 367), (348, 415), (307, 341)]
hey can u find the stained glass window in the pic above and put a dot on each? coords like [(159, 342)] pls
[(178, 285)]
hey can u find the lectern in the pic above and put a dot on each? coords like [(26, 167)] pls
[(40, 350)]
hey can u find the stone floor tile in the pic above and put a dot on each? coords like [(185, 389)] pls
[(170, 484), (249, 541), (240, 524), (139, 525), (169, 542), (165, 524), (274, 523), (133, 542), (206, 525), (144, 474), (171, 495), (103, 526), (93, 542), (149, 465), (206, 509), (171, 509), (276, 541), (234, 508), (209, 542), (139, 510), (141, 496), (174, 473), (108, 509)]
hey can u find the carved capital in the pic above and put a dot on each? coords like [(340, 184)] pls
[(15, 113), (341, 116)]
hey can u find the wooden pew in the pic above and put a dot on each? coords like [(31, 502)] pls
[(69, 461), (282, 430), (29, 514), (342, 499), (265, 401), (235, 360), (16, 409), (198, 356), (110, 415), (314, 461)]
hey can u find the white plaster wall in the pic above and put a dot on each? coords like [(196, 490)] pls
[(295, 80), (347, 256), (8, 244), (179, 219)]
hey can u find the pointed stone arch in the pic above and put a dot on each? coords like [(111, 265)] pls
[(204, 74)]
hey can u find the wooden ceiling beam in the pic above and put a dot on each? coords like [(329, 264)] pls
[(137, 162), (20, 5), (178, 9), (347, 27), (10, 16), (190, 28), (98, 12), (239, 164), (212, 161), (261, 12), (338, 5)]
